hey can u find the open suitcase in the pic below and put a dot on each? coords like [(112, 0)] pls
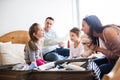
[(6, 73), (63, 75)]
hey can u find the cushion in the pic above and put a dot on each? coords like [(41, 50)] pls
[(11, 53), (2, 43)]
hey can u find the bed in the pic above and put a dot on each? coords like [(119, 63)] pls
[(12, 52), (19, 36)]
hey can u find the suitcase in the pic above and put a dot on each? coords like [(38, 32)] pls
[(6, 73), (63, 75)]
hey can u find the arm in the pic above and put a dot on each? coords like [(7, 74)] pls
[(114, 51), (113, 40), (30, 57), (29, 54), (71, 53), (33, 60)]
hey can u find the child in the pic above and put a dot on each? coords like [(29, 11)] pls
[(76, 48), (33, 53)]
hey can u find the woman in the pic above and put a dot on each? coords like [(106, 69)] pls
[(110, 36), (33, 53)]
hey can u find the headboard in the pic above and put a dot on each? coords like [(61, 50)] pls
[(18, 36)]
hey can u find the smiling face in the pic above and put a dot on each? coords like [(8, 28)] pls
[(40, 32), (48, 24), (85, 27), (74, 37)]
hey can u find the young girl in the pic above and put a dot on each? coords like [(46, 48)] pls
[(76, 48), (33, 54)]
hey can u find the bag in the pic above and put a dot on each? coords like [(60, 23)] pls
[(89, 65), (68, 74)]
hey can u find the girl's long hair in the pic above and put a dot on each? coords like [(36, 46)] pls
[(33, 39)]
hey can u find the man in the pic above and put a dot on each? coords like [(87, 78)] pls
[(53, 49)]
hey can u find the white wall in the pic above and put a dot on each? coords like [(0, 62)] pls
[(106, 10), (20, 14)]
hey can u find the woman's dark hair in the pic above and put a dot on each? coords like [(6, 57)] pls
[(95, 25), (33, 39), (75, 30)]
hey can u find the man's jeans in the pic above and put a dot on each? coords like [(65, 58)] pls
[(57, 54)]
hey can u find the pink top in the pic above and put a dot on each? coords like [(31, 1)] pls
[(113, 48)]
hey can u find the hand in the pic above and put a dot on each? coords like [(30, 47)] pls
[(92, 56), (32, 65), (93, 47), (61, 44)]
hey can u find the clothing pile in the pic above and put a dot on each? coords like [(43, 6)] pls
[(84, 64)]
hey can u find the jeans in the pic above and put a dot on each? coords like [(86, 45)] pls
[(104, 65), (57, 54)]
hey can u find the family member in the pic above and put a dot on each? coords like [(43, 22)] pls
[(110, 37), (53, 49), (76, 48), (33, 53)]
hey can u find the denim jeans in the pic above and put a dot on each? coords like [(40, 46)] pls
[(57, 54), (104, 65)]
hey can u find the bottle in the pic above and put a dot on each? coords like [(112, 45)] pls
[(68, 44)]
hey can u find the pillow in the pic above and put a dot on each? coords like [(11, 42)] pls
[(2, 43), (12, 53)]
